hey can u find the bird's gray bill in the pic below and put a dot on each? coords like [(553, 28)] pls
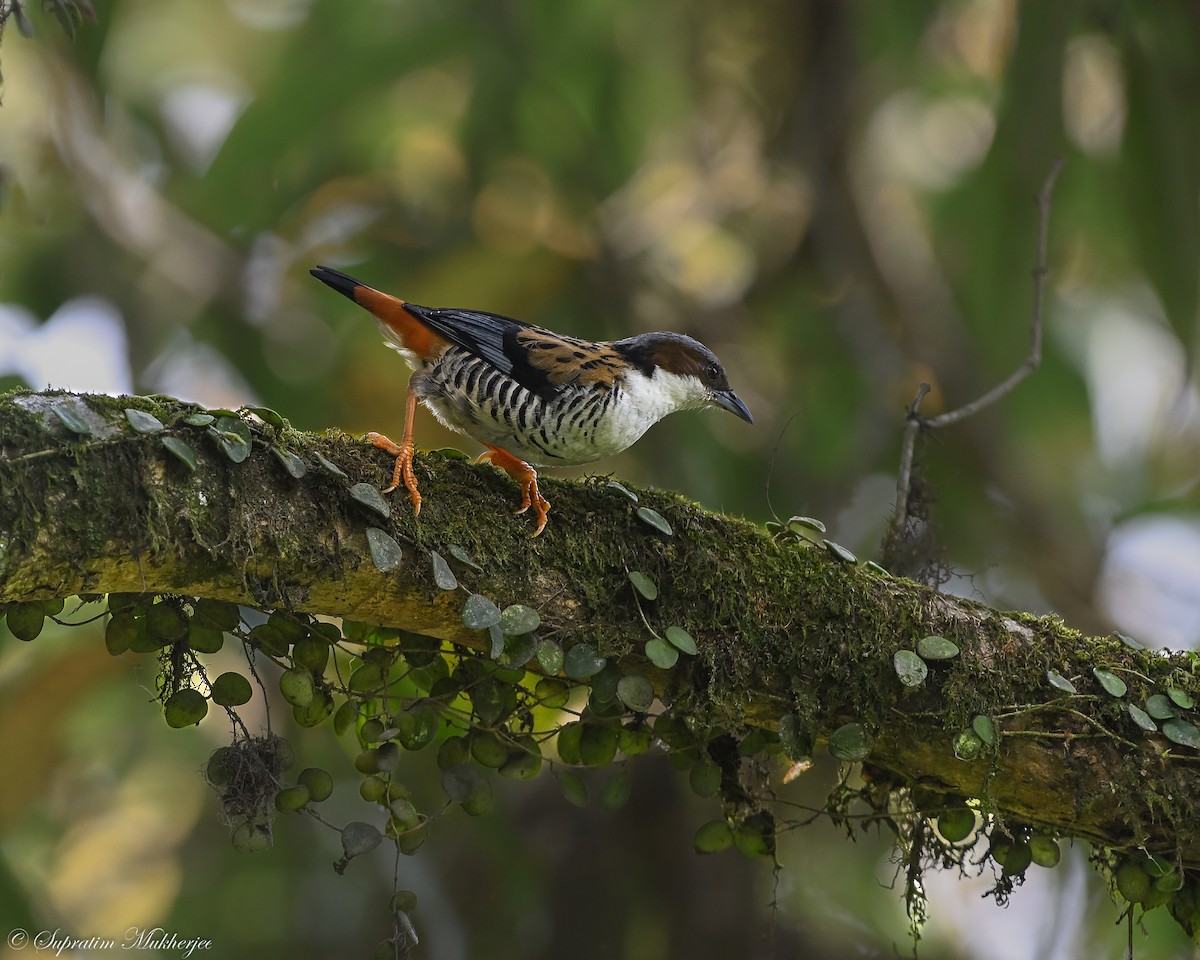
[(730, 401)]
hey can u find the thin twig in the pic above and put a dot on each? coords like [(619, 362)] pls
[(915, 423)]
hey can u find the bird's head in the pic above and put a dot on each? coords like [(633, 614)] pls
[(684, 370)]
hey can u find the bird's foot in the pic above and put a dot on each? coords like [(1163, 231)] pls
[(403, 452), (526, 477)]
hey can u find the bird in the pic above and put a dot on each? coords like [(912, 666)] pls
[(533, 397)]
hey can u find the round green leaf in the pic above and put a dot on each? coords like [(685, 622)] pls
[(518, 650), (851, 743), (181, 451), (199, 419), (72, 419), (461, 780), (654, 519), (616, 792), (984, 728), (570, 735), (937, 648), (643, 584), (583, 661), (967, 745), (1015, 859), (443, 576), (713, 837), (1141, 718), (385, 551), (143, 422), (268, 416), (573, 788), (524, 760), (370, 497), (1181, 698), (1157, 866), (461, 555), (294, 466), (316, 712), (166, 621), (1133, 883), (681, 640), (1059, 682), (957, 824), (291, 799), (551, 692), (910, 668), (25, 620), (634, 739), (1113, 685), (754, 838), (359, 838), (217, 614), (251, 836), (636, 692), (496, 636), (1159, 707), (233, 437), (1044, 851), (487, 700), (204, 639), (1182, 732), (319, 783), (330, 467), (840, 552), (622, 489), (120, 633), (184, 708), (549, 656), (479, 613), (597, 744), (297, 686), (801, 524), (488, 751), (661, 654), (1169, 882), (231, 690), (451, 752), (518, 619)]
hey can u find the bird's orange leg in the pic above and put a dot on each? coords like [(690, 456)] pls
[(526, 476), (403, 453)]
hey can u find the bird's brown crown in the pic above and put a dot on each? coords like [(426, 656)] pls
[(674, 353)]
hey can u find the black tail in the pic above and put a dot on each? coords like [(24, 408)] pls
[(341, 282)]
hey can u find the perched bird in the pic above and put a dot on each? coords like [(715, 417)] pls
[(534, 397)]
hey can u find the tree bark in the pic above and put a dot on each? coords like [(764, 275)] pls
[(89, 505)]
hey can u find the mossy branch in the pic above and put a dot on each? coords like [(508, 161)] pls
[(89, 505)]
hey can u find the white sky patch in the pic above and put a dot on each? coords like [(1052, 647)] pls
[(1135, 373), (81, 347), (1150, 582), (198, 118), (196, 372)]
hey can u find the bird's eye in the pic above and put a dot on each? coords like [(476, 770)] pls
[(713, 370)]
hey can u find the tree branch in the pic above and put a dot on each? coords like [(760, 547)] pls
[(915, 422), (784, 627)]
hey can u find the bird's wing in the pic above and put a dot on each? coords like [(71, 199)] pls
[(540, 360)]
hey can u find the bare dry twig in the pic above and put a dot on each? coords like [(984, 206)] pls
[(915, 422)]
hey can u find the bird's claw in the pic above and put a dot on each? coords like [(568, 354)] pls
[(403, 471), (526, 477)]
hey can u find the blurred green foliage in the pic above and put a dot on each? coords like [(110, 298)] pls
[(836, 197)]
